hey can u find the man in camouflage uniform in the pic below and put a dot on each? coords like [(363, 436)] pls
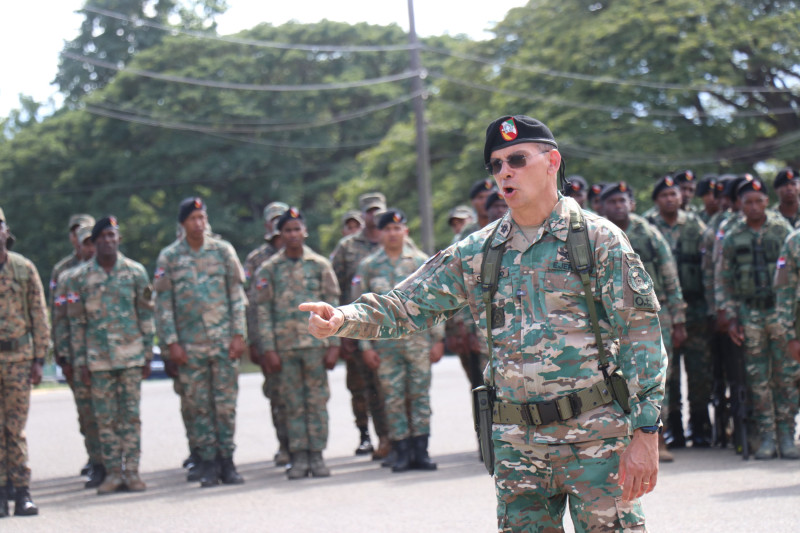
[(404, 366), (62, 345), (496, 206), (478, 194), (110, 309), (24, 342), (684, 231), (362, 382), (271, 386), (744, 278), (293, 275), (577, 189), (655, 253), (200, 316), (83, 399), (549, 447), (458, 218), (787, 188), (705, 191), (352, 222)]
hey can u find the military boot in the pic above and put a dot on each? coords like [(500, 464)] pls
[(96, 476), (384, 446), (767, 449), (673, 435), (299, 467), (700, 426), (23, 504), (364, 444), (193, 459), (112, 482), (402, 453), (391, 459), (664, 455), (133, 481), (317, 465), (87, 468), (419, 450), (209, 473), (228, 473), (282, 456), (786, 444), (3, 502)]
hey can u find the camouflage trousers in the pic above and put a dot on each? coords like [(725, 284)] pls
[(210, 382), (186, 414), (304, 387), (666, 336), (405, 374), (535, 482), (115, 399), (277, 404), (365, 388), (696, 356), (15, 392), (86, 419), (771, 375)]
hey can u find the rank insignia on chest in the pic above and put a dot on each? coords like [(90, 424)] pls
[(73, 298), (60, 300), (262, 283), (498, 317), (639, 280), (159, 273)]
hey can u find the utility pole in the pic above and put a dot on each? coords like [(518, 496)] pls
[(423, 154)]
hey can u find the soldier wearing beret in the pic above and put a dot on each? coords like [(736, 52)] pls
[(24, 342), (594, 197), (577, 189), (598, 455), (291, 276), (750, 256), (787, 187), (110, 310), (496, 206), (687, 183), (403, 366), (200, 316), (271, 386), (362, 382), (705, 191), (478, 194)]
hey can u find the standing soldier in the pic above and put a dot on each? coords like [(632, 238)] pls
[(478, 194), (684, 232), (290, 277), (362, 382), (594, 198), (62, 345), (751, 251), (458, 218), (496, 206), (83, 399), (110, 309), (24, 342), (705, 191), (271, 386), (654, 251), (351, 222), (688, 185), (403, 366), (200, 316), (577, 189), (787, 188)]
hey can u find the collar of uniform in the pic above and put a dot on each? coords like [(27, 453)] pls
[(683, 216), (556, 223), (306, 252), (96, 265)]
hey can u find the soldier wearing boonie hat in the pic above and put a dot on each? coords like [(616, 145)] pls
[(352, 221), (458, 217)]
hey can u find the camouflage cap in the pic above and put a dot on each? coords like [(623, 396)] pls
[(83, 233), (460, 211), (80, 219), (352, 215), (274, 209), (371, 200)]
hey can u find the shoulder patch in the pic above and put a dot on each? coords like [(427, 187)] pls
[(639, 280)]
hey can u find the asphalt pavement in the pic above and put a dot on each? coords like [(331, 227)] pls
[(703, 490)]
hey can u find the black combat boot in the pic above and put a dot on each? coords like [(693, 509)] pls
[(299, 467), (209, 473), (364, 444), (391, 459), (3, 502), (700, 426), (402, 454), (673, 433), (228, 473), (419, 448), (193, 459), (317, 465), (23, 504), (87, 468), (96, 476)]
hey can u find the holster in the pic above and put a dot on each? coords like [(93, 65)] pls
[(619, 388), (482, 406)]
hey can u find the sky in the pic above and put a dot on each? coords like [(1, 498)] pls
[(33, 32)]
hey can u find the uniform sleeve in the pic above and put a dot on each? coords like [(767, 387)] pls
[(61, 344), (359, 286), (632, 309), (76, 312), (251, 313), (37, 310), (430, 295), (236, 296), (787, 277), (164, 301), (145, 310), (723, 279), (668, 269), (264, 294)]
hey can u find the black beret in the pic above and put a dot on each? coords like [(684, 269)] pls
[(596, 189), (391, 216), (666, 182), (189, 206), (106, 222), (785, 176), (683, 176), (706, 185), (492, 198), (732, 185), (290, 214), (510, 130), (721, 185), (576, 183), (484, 184), (749, 183), (614, 188)]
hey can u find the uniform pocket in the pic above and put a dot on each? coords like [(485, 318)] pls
[(630, 514)]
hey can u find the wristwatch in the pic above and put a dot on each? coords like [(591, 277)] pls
[(650, 429)]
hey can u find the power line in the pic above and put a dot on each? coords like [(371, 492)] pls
[(244, 86)]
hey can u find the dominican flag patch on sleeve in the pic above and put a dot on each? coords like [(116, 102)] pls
[(262, 283), (356, 280), (781, 262), (73, 298), (60, 300), (159, 272)]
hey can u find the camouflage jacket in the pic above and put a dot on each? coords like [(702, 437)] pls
[(712, 237), (110, 315), (21, 292), (251, 263), (654, 251), (199, 294), (776, 207), (66, 263), (544, 343), (345, 259), (787, 286), (378, 273), (744, 275), (281, 284), (62, 347)]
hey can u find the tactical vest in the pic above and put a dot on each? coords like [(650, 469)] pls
[(689, 261), (643, 245), (754, 260)]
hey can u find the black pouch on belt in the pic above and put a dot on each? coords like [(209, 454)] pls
[(482, 405)]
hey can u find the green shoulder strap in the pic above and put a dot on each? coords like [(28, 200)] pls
[(490, 273), (20, 271)]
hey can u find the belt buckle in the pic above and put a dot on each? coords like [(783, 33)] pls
[(571, 403), (548, 411)]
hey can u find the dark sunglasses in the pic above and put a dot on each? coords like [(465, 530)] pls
[(514, 161)]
